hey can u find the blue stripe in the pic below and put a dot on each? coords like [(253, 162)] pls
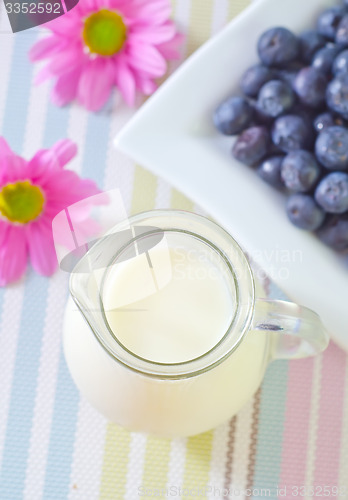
[(270, 430), (97, 142), (271, 423), (57, 120), (62, 441), (61, 448), (17, 100), (23, 389), (18, 93), (23, 393), (29, 341)]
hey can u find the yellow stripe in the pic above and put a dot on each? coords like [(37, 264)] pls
[(197, 466), (200, 24), (114, 469), (236, 6), (156, 464), (144, 190), (180, 201)]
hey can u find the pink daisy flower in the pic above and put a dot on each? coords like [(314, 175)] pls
[(31, 194), (104, 43)]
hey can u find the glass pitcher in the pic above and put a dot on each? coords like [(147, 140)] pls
[(136, 367)]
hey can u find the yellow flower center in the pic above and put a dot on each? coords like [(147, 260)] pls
[(21, 202), (104, 32)]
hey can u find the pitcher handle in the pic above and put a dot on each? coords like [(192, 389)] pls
[(297, 332)]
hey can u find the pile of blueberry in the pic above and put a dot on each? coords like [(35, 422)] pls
[(293, 122)]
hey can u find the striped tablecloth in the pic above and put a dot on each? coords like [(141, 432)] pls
[(53, 445)]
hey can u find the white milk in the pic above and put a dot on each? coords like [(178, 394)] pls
[(185, 308), (169, 305)]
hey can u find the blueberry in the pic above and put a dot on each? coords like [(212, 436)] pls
[(288, 76), (332, 193), (310, 42), (324, 58), (291, 132), (323, 121), (254, 78), (340, 64), (329, 20), (310, 85), (337, 94), (278, 46), (331, 148), (275, 97), (335, 232), (300, 171), (304, 213), (251, 146), (342, 31), (233, 116), (269, 171)]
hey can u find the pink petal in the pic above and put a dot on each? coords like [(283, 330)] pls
[(68, 26), (64, 188), (125, 82), (154, 11), (96, 83), (86, 6), (169, 50), (42, 164), (153, 34), (42, 253), (14, 169), (146, 85), (4, 149), (146, 58), (65, 150), (65, 88), (66, 60), (45, 48), (43, 75), (13, 254)]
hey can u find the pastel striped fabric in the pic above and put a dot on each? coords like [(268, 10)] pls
[(290, 440)]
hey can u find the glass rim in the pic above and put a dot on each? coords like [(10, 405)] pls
[(245, 293)]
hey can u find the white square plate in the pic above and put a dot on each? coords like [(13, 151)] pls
[(172, 135)]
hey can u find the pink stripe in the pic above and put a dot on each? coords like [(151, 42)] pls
[(330, 417), (296, 424)]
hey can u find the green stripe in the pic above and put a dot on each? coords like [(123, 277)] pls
[(156, 464), (198, 458), (200, 24), (236, 7), (144, 190), (115, 464)]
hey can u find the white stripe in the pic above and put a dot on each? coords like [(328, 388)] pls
[(77, 132), (242, 446), (119, 171), (313, 419), (88, 453), (36, 119), (218, 460), (135, 465), (182, 20), (343, 477), (9, 330), (163, 194), (220, 15), (176, 466), (45, 387), (7, 43)]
